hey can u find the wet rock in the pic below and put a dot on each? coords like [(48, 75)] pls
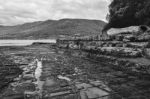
[(49, 83), (26, 86), (28, 77), (144, 84)]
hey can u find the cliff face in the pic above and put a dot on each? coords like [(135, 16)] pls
[(115, 31), (122, 42), (129, 30)]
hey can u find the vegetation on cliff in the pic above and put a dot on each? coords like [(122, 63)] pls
[(124, 13)]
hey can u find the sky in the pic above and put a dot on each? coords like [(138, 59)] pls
[(13, 12)]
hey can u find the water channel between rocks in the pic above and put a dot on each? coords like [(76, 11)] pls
[(38, 72)]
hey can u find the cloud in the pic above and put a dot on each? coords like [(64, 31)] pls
[(14, 12)]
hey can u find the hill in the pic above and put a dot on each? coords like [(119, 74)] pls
[(52, 29)]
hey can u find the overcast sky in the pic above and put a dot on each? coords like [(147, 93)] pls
[(14, 12)]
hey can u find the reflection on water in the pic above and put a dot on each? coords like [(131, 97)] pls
[(24, 42)]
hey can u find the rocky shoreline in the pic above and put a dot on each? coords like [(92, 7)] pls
[(8, 71), (129, 79), (127, 76), (76, 74), (23, 84)]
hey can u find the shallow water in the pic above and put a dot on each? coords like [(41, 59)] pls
[(38, 73), (24, 42)]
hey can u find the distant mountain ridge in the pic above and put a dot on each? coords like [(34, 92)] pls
[(52, 29)]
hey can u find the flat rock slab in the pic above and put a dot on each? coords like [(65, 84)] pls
[(88, 91), (49, 83)]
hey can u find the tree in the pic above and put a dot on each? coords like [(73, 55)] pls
[(123, 13)]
